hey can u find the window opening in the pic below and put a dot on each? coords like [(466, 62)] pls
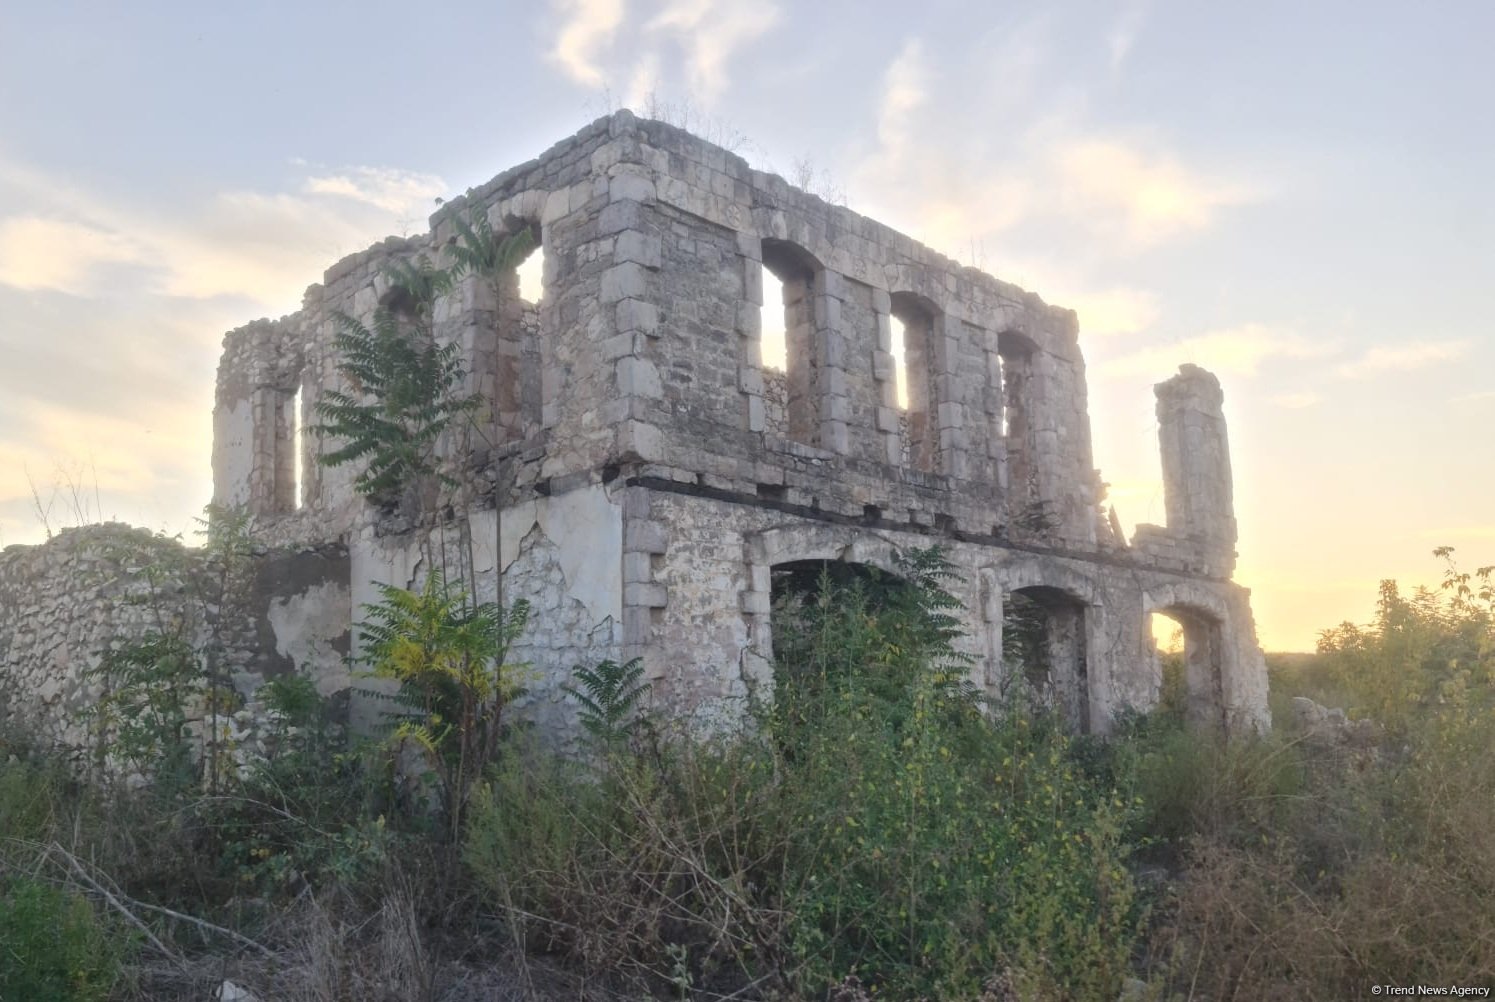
[(1043, 653), (773, 348), (900, 363), (1186, 646), (913, 334)]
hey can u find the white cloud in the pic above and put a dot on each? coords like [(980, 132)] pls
[(905, 88), (1114, 311), (643, 81), (1124, 32), (1412, 355), (1237, 350), (264, 246), (710, 31), (1142, 197), (686, 42), (1036, 163), (60, 255), (588, 29), (386, 188)]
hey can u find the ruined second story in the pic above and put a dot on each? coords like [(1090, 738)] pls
[(906, 390)]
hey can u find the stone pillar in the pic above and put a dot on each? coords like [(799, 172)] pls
[(645, 542), (255, 449), (949, 410), (1197, 486), (829, 368)]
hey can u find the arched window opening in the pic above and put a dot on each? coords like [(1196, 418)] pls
[(814, 599), (1044, 655), (515, 295), (1186, 651), (793, 271), (913, 345)]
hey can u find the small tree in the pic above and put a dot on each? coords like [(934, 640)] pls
[(489, 255), (445, 648), (449, 657), (404, 392)]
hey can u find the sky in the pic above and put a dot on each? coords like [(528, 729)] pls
[(1294, 195)]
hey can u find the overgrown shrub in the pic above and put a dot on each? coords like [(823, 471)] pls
[(310, 810), (53, 947), (875, 824), (1198, 784), (1379, 868), (31, 796)]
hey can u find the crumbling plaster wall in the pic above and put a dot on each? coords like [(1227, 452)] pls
[(563, 555), (65, 602)]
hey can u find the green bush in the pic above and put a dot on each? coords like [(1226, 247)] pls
[(1192, 784), (876, 824), (310, 808), (53, 948), (30, 797)]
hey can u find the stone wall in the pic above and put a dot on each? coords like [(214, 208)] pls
[(65, 602)]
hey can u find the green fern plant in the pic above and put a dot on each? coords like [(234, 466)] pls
[(609, 695), (449, 657)]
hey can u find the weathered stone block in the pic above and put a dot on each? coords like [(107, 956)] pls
[(646, 537), (638, 377), (623, 281), (630, 188), (634, 245), (652, 596), (638, 315)]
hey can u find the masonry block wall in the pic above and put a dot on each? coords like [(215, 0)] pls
[(66, 602), (637, 382), (643, 471)]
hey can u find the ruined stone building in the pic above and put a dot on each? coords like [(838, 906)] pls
[(653, 469)]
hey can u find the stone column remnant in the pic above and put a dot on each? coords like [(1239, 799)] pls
[(1196, 465)]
